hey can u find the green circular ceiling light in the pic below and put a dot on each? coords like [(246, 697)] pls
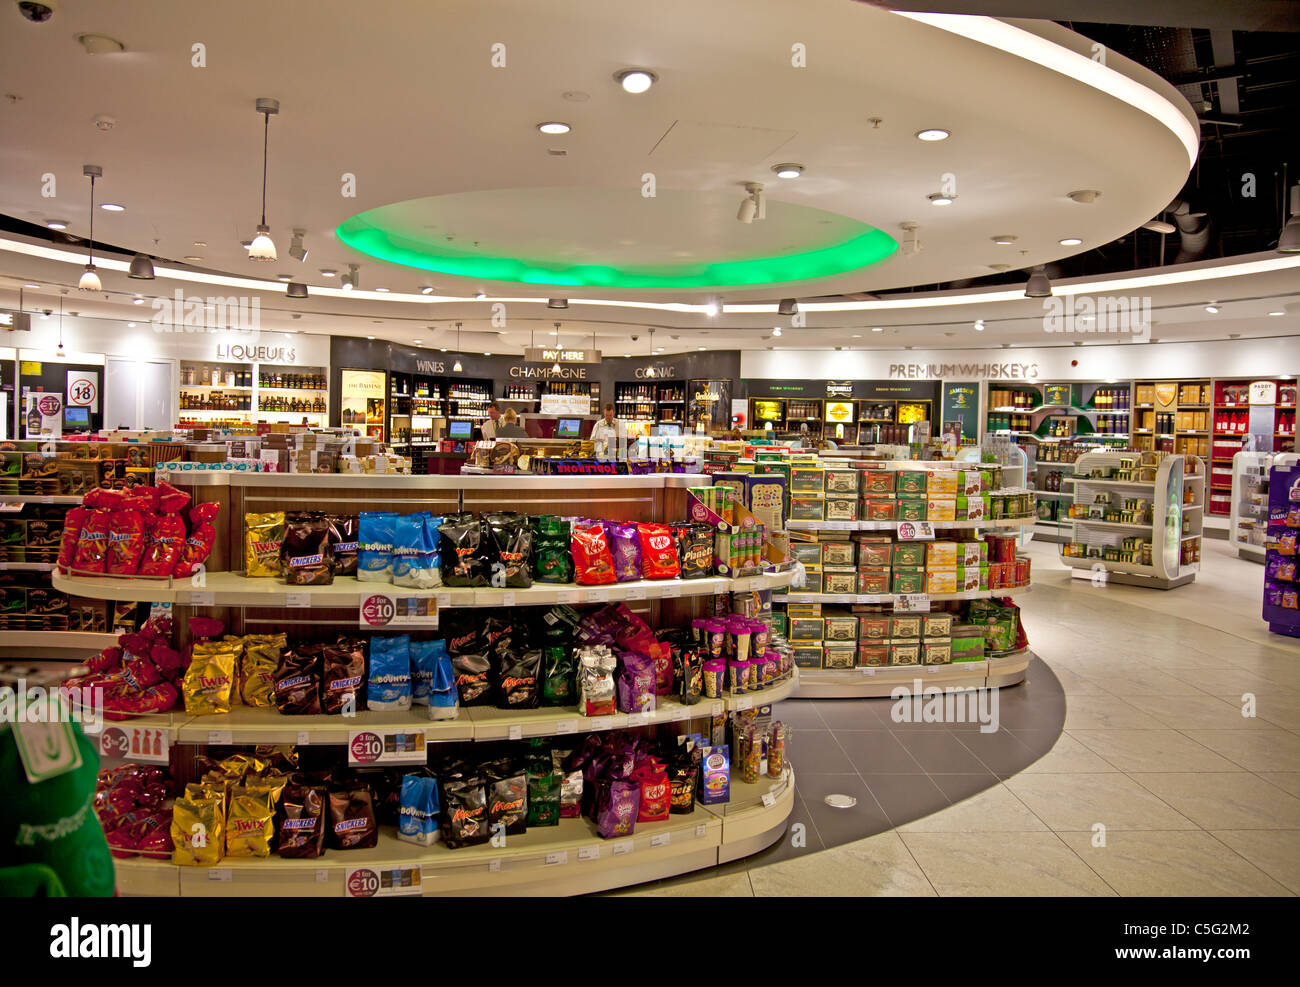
[(614, 238)]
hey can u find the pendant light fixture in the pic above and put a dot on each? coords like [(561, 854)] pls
[(89, 277), (352, 280), (555, 367), (59, 352), (1038, 285), (142, 265), (456, 367), (650, 370), (263, 247)]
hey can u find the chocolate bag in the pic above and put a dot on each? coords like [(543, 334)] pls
[(624, 549), (596, 691), (416, 561), (263, 536), (464, 813), (352, 819), (302, 824), (507, 799), (512, 545), (343, 543), (258, 667), (297, 680), (463, 552), (198, 831), (519, 680), (419, 809), (389, 685), (617, 805), (592, 563), (250, 824), (305, 555), (375, 546), (424, 664), (636, 683), (208, 681), (473, 682), (343, 675)]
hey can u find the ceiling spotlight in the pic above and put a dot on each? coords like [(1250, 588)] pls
[(130, 325), (753, 206), (263, 247), (1085, 195), (284, 277), (1288, 241), (939, 199), (97, 44), (327, 272), (636, 81), (1038, 286), (57, 224), (700, 347), (137, 300), (193, 258), (1160, 226), (1277, 313), (370, 337), (712, 308), (89, 278), (381, 289), (554, 127), (979, 325), (479, 296), (557, 303), (877, 328), (1003, 239), (352, 280), (30, 284), (417, 341), (1212, 309), (788, 170), (296, 250), (200, 243), (295, 289), (1000, 267), (788, 306), (112, 207), (1070, 241), (141, 268), (1234, 335), (776, 331), (427, 290), (934, 134)]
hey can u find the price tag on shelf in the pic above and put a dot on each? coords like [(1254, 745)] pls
[(444, 600), (322, 875), (743, 703), (636, 719), (588, 853), (494, 866), (701, 830), (867, 671), (516, 732), (297, 599), (597, 595), (672, 590), (660, 839), (220, 738), (557, 857), (11, 507), (508, 598), (148, 745), (934, 669), (568, 596), (915, 531), (600, 723), (304, 737), (47, 500), (395, 747), (566, 726), (195, 599), (223, 874), (681, 713), (769, 800), (717, 708), (623, 846), (383, 882), (912, 603), (636, 592), (386, 611)]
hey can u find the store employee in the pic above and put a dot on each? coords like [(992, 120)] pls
[(605, 435), (488, 430)]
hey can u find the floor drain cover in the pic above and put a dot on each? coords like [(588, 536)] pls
[(841, 801)]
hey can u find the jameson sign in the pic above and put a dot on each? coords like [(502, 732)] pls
[(985, 371)]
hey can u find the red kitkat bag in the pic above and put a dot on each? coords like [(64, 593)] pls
[(198, 546), (592, 562), (126, 538), (658, 552), (656, 792), (92, 545)]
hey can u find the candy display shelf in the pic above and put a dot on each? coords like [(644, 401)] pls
[(1248, 526), (18, 499), (51, 644), (894, 598), (882, 680), (235, 590), (1015, 522), (565, 859), (1176, 502)]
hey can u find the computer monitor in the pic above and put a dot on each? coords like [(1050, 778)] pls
[(76, 418), (461, 428), (669, 429), (568, 428)]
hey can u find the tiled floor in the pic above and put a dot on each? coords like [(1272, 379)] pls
[(1159, 785)]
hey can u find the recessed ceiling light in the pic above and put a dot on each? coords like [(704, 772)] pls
[(130, 325), (417, 340), (200, 243), (877, 328), (137, 300), (776, 331), (193, 258), (857, 335), (327, 272), (427, 290), (1270, 313), (112, 207), (487, 354), (635, 81), (939, 199), (57, 224), (1234, 335), (444, 349), (788, 170), (1070, 241), (1212, 309), (700, 347), (30, 285), (979, 325), (933, 134), (554, 127), (1003, 239), (479, 296), (370, 337), (381, 289), (284, 277)]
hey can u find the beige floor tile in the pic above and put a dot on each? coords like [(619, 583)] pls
[(1236, 681), (1079, 801), (695, 886), (1030, 864), (1281, 711), (1102, 711), (1276, 852), (1254, 750), (994, 810), (1225, 801), (1152, 750), (1199, 712), (1072, 682), (1172, 864), (1288, 781), (1147, 682), (879, 866), (1068, 756)]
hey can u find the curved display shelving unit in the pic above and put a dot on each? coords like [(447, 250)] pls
[(552, 860), (1014, 522), (882, 680), (41, 644), (974, 594)]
